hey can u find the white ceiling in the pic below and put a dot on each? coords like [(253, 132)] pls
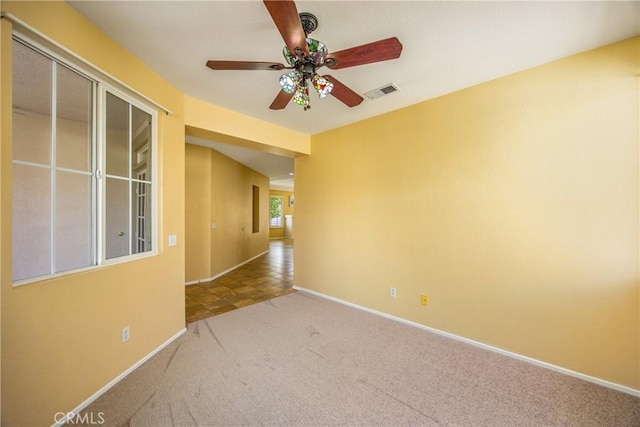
[(447, 46), (279, 169)]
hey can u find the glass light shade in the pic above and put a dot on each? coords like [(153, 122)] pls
[(290, 81), (317, 52), (290, 58), (322, 85), (302, 96)]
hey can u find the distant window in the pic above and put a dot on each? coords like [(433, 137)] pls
[(276, 219), (83, 162)]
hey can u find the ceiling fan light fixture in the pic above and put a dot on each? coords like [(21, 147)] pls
[(322, 85), (288, 56), (305, 61), (290, 81), (301, 96), (317, 52)]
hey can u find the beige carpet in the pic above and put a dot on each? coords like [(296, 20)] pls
[(302, 360)]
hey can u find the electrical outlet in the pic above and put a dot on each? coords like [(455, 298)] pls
[(424, 299), (173, 240), (392, 292), (125, 334)]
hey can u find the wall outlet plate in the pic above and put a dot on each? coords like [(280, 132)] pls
[(424, 299), (393, 292), (125, 334)]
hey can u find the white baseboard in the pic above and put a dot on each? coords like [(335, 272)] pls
[(71, 414), (527, 359), (195, 282)]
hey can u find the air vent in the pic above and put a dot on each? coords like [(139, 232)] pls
[(382, 91)]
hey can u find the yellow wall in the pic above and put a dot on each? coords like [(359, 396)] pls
[(512, 204), (217, 124), (225, 200), (5, 172), (198, 213), (287, 209), (61, 337)]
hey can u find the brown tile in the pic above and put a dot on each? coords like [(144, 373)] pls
[(196, 313), (245, 302), (260, 298), (217, 304), (194, 290), (253, 281), (224, 309), (208, 285), (272, 289), (232, 299), (190, 302), (191, 309), (224, 280), (207, 299), (264, 278), (245, 290), (271, 282), (220, 290), (235, 284), (203, 314)]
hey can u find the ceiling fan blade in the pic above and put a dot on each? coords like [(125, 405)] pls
[(244, 65), (285, 15), (343, 93), (382, 50), (281, 100)]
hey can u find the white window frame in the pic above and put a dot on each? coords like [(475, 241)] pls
[(102, 85)]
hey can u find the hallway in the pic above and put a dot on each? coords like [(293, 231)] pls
[(263, 278)]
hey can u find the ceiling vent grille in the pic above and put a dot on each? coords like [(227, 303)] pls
[(382, 91)]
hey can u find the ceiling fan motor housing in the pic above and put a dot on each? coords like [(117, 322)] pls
[(309, 22)]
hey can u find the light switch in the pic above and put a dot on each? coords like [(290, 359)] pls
[(173, 240)]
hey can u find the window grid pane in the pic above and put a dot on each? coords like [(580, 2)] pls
[(117, 136), (31, 221), (141, 217), (74, 106), (73, 225), (117, 218), (32, 91)]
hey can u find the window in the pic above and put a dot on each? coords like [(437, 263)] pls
[(275, 216), (127, 178), (82, 169)]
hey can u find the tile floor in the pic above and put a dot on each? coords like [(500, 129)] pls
[(266, 277)]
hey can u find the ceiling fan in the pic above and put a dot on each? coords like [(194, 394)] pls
[(305, 56)]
